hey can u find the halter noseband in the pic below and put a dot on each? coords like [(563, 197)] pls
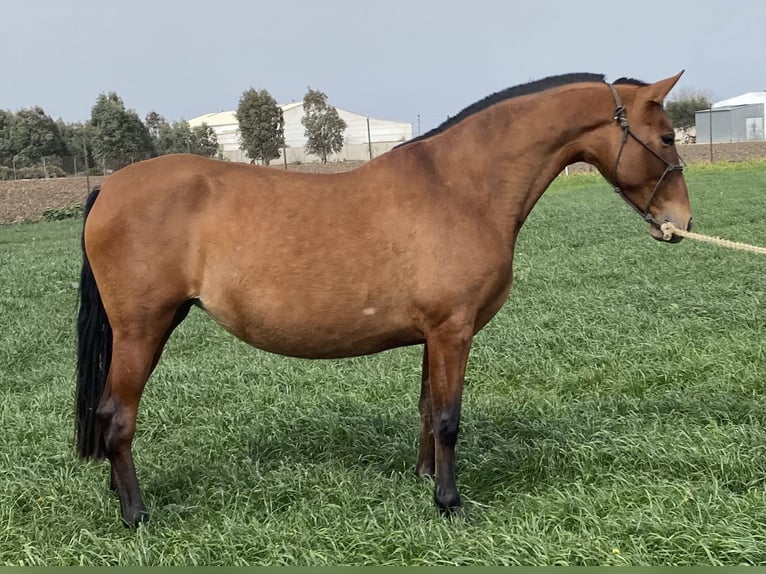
[(621, 117)]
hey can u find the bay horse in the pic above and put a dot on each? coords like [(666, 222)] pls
[(413, 247)]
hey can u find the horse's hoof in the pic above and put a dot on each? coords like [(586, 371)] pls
[(135, 518), (448, 502)]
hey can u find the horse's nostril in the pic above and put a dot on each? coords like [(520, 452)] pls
[(689, 225)]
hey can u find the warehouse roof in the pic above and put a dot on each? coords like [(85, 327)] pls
[(743, 100), (216, 119)]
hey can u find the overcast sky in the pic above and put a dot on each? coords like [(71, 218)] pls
[(391, 59)]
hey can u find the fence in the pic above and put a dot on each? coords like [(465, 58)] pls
[(64, 166), (350, 152), (366, 138), (704, 153)]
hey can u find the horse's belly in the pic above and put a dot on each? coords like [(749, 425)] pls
[(299, 330)]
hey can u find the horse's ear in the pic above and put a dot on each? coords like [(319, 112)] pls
[(658, 91)]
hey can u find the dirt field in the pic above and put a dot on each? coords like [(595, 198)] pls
[(27, 200), (700, 152)]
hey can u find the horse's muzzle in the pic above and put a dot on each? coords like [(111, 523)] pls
[(657, 233)]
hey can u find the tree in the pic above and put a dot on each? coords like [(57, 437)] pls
[(173, 138), (139, 143), (154, 122), (681, 107), (34, 135), (120, 137), (324, 126), (178, 137), (203, 141), (261, 125), (78, 138), (6, 146)]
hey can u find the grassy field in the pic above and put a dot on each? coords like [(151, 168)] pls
[(614, 414)]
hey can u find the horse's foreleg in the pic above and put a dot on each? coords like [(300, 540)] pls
[(426, 449), (448, 347), (112, 479)]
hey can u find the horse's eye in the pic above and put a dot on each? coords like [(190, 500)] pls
[(669, 139)]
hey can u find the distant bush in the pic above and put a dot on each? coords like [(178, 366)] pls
[(37, 172), (57, 214), (683, 107)]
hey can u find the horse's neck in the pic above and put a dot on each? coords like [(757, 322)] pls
[(518, 147)]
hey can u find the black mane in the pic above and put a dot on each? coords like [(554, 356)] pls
[(629, 82), (521, 90)]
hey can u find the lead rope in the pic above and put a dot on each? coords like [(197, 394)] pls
[(669, 230)]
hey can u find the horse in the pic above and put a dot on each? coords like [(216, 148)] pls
[(414, 247)]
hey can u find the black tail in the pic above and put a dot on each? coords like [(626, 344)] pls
[(94, 354)]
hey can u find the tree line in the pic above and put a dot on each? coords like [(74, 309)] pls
[(115, 136)]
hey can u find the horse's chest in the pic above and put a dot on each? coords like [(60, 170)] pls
[(497, 295)]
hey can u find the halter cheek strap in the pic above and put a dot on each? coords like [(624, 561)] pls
[(621, 117)]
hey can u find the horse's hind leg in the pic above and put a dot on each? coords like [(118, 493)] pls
[(426, 464), (129, 370), (135, 352)]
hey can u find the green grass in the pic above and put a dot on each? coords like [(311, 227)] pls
[(614, 414)]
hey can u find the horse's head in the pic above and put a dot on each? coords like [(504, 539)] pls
[(641, 160)]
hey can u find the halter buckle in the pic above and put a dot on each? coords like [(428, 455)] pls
[(621, 117)]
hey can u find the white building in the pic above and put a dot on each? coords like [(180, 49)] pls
[(737, 119), (743, 100), (362, 136)]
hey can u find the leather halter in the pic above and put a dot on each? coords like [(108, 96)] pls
[(621, 117)]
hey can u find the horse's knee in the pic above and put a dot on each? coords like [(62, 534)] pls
[(116, 429), (447, 426)]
